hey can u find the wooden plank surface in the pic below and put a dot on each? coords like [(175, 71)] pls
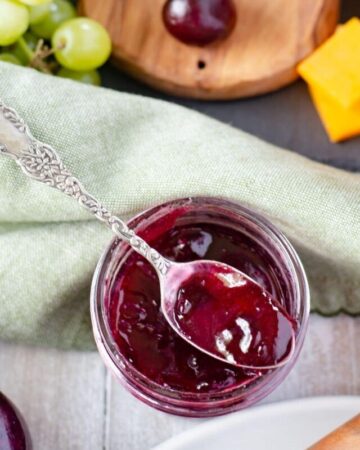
[(260, 54), (286, 118), (72, 403)]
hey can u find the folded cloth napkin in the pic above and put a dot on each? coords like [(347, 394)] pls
[(133, 152)]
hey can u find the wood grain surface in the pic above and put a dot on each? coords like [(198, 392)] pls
[(260, 54), (72, 403), (286, 118), (346, 437)]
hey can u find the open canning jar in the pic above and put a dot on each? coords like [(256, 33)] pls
[(136, 342)]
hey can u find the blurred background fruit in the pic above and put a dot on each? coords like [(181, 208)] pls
[(14, 434), (47, 35), (14, 20)]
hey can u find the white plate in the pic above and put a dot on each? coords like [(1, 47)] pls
[(293, 425)]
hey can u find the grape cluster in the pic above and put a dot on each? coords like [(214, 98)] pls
[(47, 35)]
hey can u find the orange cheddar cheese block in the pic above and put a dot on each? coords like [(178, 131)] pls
[(335, 66), (340, 123)]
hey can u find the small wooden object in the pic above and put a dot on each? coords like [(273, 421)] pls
[(260, 54), (346, 437)]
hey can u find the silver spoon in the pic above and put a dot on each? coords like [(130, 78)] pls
[(214, 307)]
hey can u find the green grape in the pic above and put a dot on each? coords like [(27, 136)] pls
[(8, 57), (24, 47), (59, 12), (14, 20), (34, 2), (39, 12), (87, 77), (81, 44)]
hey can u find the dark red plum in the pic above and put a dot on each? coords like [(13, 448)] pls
[(14, 434)]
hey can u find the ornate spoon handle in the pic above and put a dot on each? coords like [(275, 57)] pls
[(42, 163)]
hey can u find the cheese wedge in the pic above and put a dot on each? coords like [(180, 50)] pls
[(334, 67), (340, 123)]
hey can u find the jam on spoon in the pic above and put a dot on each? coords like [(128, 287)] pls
[(42, 163), (13, 432), (199, 22), (227, 314)]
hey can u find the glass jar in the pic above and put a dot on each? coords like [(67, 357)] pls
[(287, 272)]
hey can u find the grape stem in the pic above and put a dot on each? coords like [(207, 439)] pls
[(42, 52)]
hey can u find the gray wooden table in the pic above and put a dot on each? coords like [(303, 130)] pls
[(72, 403), (70, 400)]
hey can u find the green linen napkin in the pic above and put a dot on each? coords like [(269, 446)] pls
[(133, 152)]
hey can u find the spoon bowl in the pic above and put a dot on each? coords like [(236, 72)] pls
[(226, 314)]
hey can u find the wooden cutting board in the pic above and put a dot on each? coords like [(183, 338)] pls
[(260, 55)]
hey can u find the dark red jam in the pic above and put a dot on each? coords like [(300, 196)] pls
[(199, 22), (225, 313), (139, 328)]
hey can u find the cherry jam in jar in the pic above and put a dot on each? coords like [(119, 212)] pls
[(132, 335)]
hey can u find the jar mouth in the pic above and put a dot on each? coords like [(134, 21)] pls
[(147, 389)]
